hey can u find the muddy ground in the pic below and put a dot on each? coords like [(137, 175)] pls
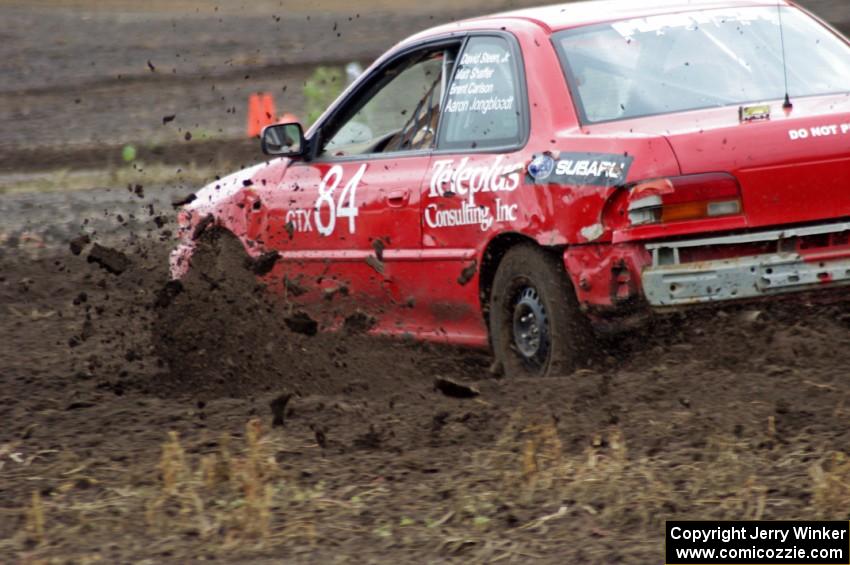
[(142, 424), (734, 414)]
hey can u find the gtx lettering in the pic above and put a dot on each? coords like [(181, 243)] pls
[(300, 220)]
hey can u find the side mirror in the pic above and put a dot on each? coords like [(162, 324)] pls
[(283, 140)]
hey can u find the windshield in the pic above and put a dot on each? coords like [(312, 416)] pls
[(681, 62)]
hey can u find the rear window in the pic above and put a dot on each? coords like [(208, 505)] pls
[(711, 58)]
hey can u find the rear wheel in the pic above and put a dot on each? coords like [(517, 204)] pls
[(536, 327)]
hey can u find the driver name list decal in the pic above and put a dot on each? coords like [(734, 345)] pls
[(473, 90)]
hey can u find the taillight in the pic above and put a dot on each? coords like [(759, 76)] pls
[(691, 197)]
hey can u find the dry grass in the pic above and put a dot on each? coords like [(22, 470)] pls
[(831, 487), (233, 497), (178, 489), (222, 494), (605, 485), (35, 519), (237, 498), (530, 479), (603, 481)]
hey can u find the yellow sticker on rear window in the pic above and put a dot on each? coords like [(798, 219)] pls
[(751, 113)]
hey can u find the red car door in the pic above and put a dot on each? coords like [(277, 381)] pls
[(475, 180), (347, 222), (350, 222)]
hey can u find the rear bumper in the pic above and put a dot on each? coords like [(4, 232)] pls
[(735, 279), (668, 282)]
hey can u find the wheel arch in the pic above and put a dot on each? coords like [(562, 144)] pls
[(492, 256), (194, 248)]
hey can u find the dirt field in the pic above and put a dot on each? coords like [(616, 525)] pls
[(142, 424), (738, 414)]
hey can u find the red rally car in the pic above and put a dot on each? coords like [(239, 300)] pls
[(517, 180)]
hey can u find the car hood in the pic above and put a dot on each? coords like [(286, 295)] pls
[(226, 187)]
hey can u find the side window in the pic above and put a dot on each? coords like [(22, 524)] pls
[(483, 106), (398, 110)]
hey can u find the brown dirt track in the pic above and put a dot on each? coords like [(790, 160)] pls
[(722, 415), (735, 414)]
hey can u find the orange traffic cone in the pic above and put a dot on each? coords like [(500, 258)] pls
[(261, 112)]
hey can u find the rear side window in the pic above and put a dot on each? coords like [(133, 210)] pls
[(482, 109)]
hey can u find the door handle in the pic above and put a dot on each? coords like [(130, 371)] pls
[(398, 198)]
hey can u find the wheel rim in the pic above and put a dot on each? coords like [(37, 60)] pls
[(530, 327)]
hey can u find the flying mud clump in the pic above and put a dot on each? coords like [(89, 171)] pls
[(221, 333)]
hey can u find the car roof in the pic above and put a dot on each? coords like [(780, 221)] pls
[(574, 14)]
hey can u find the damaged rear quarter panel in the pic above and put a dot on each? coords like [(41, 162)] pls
[(582, 213)]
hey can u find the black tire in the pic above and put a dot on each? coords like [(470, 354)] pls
[(536, 327)]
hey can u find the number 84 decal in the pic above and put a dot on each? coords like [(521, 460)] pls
[(344, 207)]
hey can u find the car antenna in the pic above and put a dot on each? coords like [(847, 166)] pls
[(787, 105)]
